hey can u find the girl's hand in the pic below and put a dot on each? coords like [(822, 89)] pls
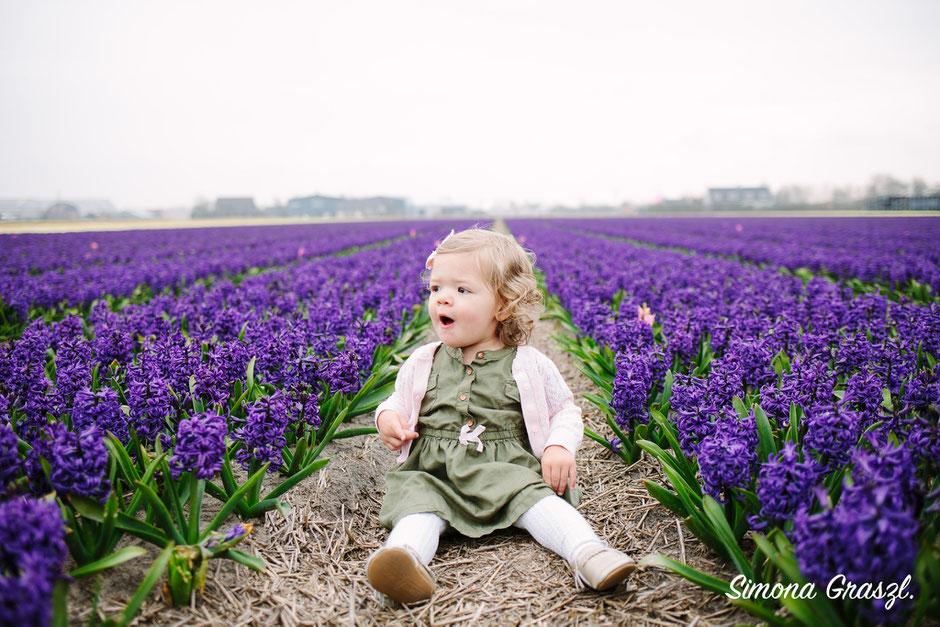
[(393, 429), (558, 468)]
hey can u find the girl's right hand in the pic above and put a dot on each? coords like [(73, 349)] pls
[(393, 429)]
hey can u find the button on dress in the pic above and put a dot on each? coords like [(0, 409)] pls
[(475, 491)]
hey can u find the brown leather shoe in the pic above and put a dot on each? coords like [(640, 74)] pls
[(397, 573), (602, 567)]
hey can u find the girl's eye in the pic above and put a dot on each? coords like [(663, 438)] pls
[(434, 288), (462, 290)]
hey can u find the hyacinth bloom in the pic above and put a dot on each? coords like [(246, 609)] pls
[(79, 463), (867, 538), (632, 385), (784, 485), (150, 401), (32, 551), (10, 462), (832, 435), (101, 409), (727, 456), (262, 435), (200, 446)]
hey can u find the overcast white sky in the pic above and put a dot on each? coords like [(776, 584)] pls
[(157, 103)]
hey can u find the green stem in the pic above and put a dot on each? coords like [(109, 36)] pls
[(255, 494), (196, 491)]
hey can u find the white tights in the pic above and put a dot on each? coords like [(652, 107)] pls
[(553, 522)]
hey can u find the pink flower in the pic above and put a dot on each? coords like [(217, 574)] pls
[(301, 251), (738, 228), (94, 245), (644, 314)]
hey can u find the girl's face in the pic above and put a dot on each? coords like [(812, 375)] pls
[(462, 305)]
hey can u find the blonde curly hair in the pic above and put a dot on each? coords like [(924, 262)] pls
[(508, 270)]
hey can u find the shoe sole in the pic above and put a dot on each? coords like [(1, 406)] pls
[(616, 576), (398, 575)]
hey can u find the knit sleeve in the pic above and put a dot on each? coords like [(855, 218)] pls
[(565, 425), (404, 383)]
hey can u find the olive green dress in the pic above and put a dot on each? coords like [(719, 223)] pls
[(476, 492)]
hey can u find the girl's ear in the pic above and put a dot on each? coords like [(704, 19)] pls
[(502, 314)]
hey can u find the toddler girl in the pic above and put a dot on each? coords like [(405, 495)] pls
[(486, 426)]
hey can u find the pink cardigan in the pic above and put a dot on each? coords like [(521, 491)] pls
[(548, 408)]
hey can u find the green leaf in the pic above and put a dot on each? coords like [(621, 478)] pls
[(351, 433), (143, 530), (719, 525), (106, 536), (667, 387), (216, 492), (289, 483), (598, 380), (679, 461), (299, 452), (153, 575), (793, 430), (172, 498), (250, 375), (60, 604), (702, 531), (252, 562), (597, 438), (695, 576), (669, 499), (767, 446), (196, 492), (886, 401), (162, 513), (597, 400), (118, 557), (233, 502)]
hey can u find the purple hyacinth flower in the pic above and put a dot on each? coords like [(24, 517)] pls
[(200, 446), (78, 463), (784, 485), (262, 435), (10, 462), (832, 435), (32, 551), (631, 388), (727, 456), (100, 409)]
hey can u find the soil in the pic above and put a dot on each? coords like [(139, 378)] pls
[(316, 554)]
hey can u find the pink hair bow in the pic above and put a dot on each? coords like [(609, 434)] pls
[(430, 261)]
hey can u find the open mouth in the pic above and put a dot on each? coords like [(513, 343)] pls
[(446, 321)]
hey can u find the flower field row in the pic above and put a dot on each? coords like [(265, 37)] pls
[(72, 269), (795, 422), (888, 250), (124, 420)]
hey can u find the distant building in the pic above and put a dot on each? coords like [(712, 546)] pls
[(905, 203), (40, 209), (376, 206), (754, 197), (332, 207), (235, 207), (313, 206), (61, 211)]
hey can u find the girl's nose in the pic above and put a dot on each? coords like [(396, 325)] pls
[(444, 297)]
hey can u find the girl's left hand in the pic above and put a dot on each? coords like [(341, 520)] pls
[(559, 469)]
